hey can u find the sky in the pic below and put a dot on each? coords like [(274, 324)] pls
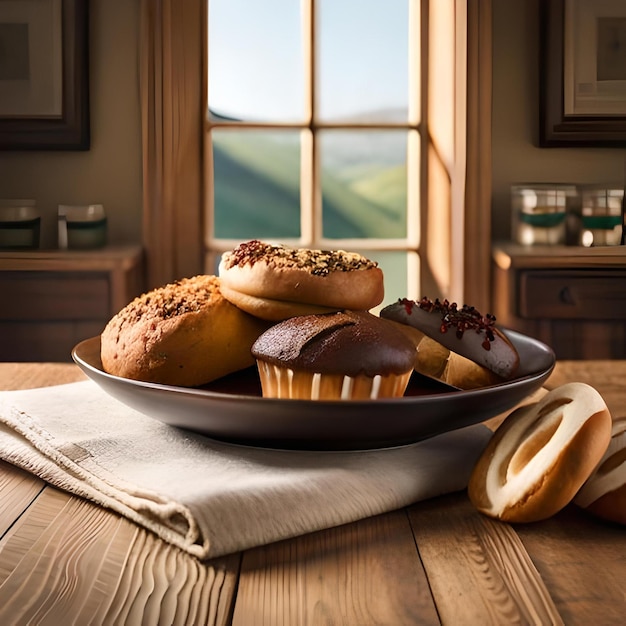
[(256, 56)]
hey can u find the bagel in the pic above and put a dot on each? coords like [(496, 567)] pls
[(541, 455), (184, 333), (604, 493), (464, 332), (275, 282)]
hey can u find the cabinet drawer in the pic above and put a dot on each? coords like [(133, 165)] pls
[(54, 296), (572, 294)]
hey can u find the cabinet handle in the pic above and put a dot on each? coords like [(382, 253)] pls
[(565, 296)]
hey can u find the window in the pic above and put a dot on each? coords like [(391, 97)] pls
[(336, 124)]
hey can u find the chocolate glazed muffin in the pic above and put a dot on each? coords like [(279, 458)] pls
[(345, 355)]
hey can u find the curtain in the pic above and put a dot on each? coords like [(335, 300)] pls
[(456, 241), (477, 230), (172, 85)]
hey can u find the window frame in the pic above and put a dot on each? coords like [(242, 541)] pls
[(311, 235), (173, 34)]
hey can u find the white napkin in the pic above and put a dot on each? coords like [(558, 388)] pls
[(212, 498)]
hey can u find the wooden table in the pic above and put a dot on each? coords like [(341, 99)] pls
[(66, 561)]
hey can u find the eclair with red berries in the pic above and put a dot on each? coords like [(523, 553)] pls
[(457, 345)]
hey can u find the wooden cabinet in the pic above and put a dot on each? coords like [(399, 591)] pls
[(573, 299), (51, 300)]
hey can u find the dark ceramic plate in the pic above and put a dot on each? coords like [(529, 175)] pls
[(232, 408)]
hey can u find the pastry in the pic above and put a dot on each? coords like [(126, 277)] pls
[(344, 355), (464, 331), (184, 333), (275, 282), (604, 492), (434, 360), (541, 455)]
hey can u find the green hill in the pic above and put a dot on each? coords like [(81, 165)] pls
[(257, 192), (387, 188)]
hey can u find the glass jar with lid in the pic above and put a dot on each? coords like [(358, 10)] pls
[(539, 212), (601, 216)]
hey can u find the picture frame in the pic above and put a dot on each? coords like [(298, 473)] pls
[(582, 73), (44, 75)]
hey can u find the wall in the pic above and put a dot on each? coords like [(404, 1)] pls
[(515, 128), (110, 172)]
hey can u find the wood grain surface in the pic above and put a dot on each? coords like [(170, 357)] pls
[(64, 556), (33, 375), (64, 560), (608, 377), (374, 577), (581, 560), (494, 580)]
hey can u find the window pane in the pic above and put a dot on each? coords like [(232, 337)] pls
[(255, 60), (363, 60), (364, 181), (256, 184), (395, 269)]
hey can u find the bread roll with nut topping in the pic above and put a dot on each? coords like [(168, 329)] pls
[(276, 282), (541, 455), (185, 333)]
